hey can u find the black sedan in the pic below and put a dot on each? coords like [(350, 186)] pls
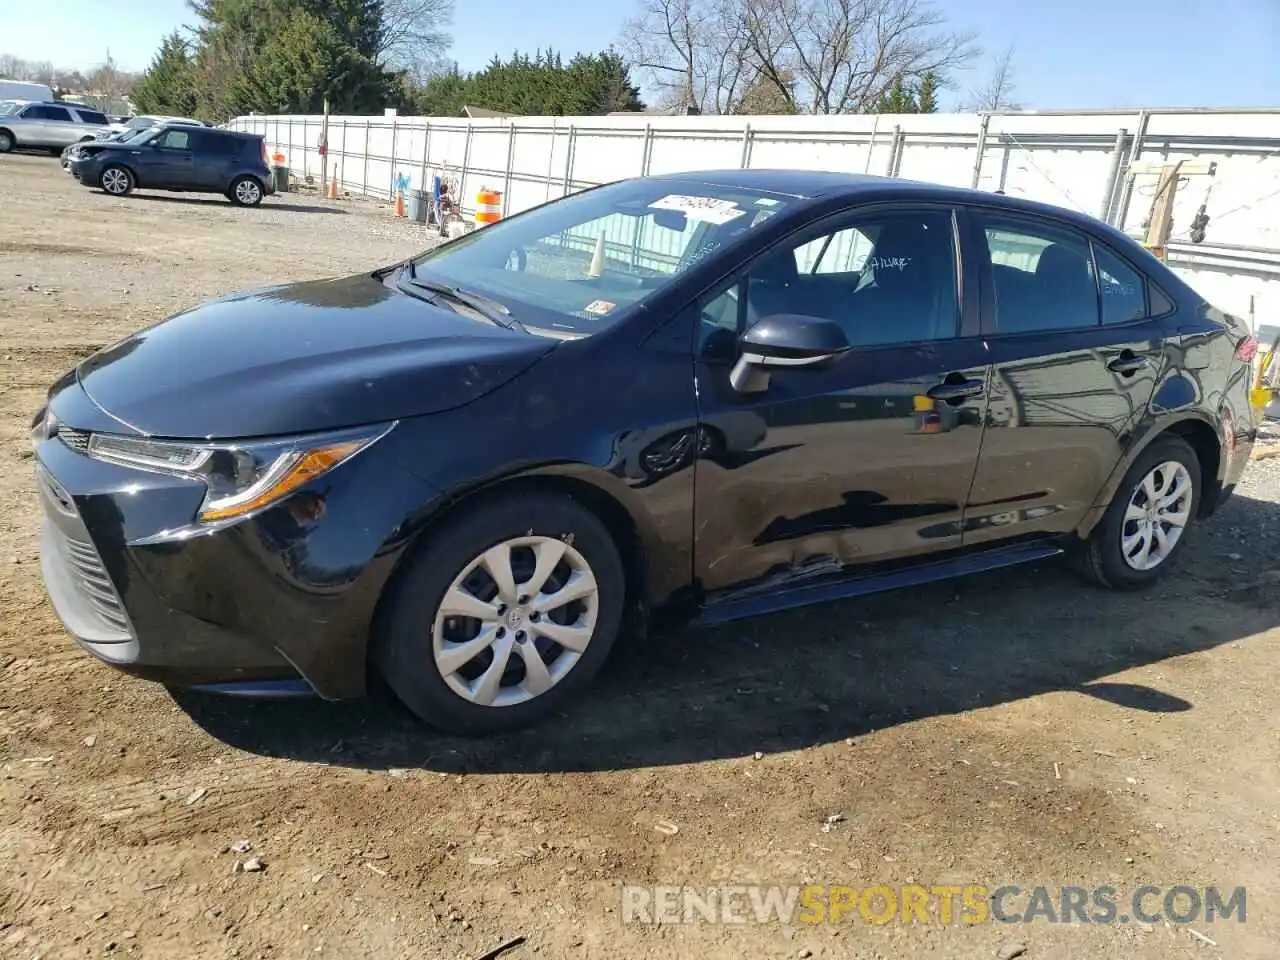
[(704, 396)]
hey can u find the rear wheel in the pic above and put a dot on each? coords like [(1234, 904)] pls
[(1145, 526), (116, 180), (504, 615), (245, 192)]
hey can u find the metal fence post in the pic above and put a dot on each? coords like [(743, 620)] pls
[(426, 154), (1135, 151), (391, 187), (647, 151), (551, 159), (981, 148), (1113, 177), (466, 162), (342, 152), (568, 161), (364, 176), (871, 144), (892, 169), (506, 179), (745, 160)]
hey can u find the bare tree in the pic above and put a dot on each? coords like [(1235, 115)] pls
[(997, 92), (108, 86), (694, 53), (827, 56), (415, 35)]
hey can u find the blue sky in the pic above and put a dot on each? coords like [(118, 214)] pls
[(1069, 53)]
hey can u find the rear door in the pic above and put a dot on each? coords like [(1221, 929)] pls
[(1076, 350), (52, 126), (837, 470)]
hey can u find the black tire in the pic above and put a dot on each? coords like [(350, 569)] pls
[(106, 177), (1101, 557), (245, 198), (402, 645), (6, 141)]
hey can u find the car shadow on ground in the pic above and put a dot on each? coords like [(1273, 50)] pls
[(825, 673), (214, 199)]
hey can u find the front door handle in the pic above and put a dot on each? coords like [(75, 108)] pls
[(1127, 364), (956, 391)]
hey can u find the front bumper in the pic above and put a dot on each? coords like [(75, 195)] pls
[(262, 602)]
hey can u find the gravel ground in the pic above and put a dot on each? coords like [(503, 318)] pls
[(1021, 728)]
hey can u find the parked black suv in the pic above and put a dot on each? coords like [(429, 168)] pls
[(179, 157), (711, 394)]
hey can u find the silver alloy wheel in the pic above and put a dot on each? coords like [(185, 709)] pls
[(248, 192), (6, 143), (532, 596), (115, 181), (1156, 516)]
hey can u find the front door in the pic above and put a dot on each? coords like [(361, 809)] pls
[(169, 160), (870, 459), (1075, 355)]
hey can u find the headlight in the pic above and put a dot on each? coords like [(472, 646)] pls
[(241, 478)]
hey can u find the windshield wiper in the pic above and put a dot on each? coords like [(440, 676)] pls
[(491, 309)]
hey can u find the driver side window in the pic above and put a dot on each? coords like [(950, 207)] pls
[(887, 277)]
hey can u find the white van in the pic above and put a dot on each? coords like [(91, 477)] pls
[(23, 90)]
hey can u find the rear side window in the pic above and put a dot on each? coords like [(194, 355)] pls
[(213, 145), (48, 113), (1122, 287), (92, 116), (1043, 276)]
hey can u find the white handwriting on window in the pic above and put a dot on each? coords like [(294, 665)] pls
[(889, 263)]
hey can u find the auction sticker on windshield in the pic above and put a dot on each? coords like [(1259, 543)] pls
[(708, 209), (598, 308)]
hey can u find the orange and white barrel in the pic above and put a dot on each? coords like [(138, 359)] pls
[(488, 207)]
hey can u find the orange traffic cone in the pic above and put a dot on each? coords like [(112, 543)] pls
[(399, 211), (333, 189)]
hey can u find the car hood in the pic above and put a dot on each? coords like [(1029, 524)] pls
[(303, 357)]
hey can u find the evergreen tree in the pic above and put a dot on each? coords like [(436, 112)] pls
[(168, 85), (897, 98), (285, 56), (927, 93), (538, 85)]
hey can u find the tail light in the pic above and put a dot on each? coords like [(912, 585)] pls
[(263, 145), (1247, 349)]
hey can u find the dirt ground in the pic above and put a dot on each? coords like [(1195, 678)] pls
[(1019, 728)]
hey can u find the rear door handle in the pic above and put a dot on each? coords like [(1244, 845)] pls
[(1127, 364), (955, 391)]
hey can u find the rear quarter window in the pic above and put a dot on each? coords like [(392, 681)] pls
[(92, 116)]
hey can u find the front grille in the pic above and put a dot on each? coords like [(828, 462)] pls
[(77, 440), (91, 577)]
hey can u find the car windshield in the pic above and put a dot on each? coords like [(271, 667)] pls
[(575, 266), (140, 136), (8, 107), (141, 123)]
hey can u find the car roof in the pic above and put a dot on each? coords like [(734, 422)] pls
[(828, 185), (241, 134)]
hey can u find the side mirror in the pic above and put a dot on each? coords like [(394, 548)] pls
[(784, 340)]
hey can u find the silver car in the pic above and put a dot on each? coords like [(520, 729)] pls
[(51, 124)]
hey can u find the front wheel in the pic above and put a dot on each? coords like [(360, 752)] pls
[(245, 192), (117, 181), (1145, 526), (6, 141), (503, 615)]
